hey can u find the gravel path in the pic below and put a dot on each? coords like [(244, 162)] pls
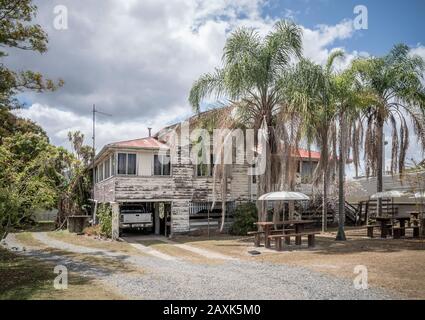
[(230, 280), (199, 251)]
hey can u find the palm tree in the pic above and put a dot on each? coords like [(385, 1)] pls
[(349, 98), (251, 77), (311, 93), (395, 83)]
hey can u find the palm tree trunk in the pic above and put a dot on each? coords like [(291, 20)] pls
[(223, 197), (325, 187), (341, 181), (277, 208), (380, 165), (291, 207), (325, 203)]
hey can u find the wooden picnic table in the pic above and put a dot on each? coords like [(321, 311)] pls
[(267, 227), (383, 221), (402, 221)]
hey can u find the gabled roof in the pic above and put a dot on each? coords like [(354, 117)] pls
[(145, 143)]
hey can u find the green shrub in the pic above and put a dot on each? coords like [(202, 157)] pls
[(104, 214), (245, 216)]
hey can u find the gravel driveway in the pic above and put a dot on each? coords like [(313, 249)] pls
[(182, 279)]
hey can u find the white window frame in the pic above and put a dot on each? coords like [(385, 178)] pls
[(162, 166), (126, 164)]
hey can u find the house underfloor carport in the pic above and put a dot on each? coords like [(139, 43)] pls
[(157, 224)]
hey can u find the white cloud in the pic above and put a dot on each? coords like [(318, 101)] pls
[(418, 50), (58, 123), (138, 59), (318, 41)]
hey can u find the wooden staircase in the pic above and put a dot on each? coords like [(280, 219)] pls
[(369, 209), (352, 213)]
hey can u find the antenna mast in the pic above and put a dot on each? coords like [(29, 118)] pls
[(94, 141)]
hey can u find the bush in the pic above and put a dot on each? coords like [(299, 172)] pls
[(104, 214), (245, 216)]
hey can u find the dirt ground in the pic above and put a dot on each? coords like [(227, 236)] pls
[(397, 265)]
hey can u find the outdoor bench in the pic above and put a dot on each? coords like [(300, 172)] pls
[(397, 231), (279, 237), (372, 226)]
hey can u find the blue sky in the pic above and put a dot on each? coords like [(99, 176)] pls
[(390, 22), (137, 60)]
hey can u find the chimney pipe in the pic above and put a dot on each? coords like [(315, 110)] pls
[(150, 129)]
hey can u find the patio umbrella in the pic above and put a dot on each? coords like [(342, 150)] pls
[(419, 195), (388, 194), (284, 196)]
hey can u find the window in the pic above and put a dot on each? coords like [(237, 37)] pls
[(127, 163), (113, 172), (107, 168), (205, 169), (96, 172), (131, 164), (101, 172), (122, 163), (162, 166)]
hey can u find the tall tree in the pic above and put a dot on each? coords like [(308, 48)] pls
[(396, 83), (251, 77), (18, 31), (30, 168), (350, 99), (311, 93), (30, 178), (74, 193)]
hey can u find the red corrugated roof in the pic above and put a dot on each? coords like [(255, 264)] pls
[(147, 143), (152, 143), (305, 154)]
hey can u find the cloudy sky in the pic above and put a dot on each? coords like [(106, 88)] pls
[(138, 59)]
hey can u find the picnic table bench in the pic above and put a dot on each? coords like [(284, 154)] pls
[(298, 236), (399, 232), (298, 228), (388, 228), (257, 234)]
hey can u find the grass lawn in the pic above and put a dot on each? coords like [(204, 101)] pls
[(23, 278), (39, 226), (83, 240), (98, 260), (396, 265)]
